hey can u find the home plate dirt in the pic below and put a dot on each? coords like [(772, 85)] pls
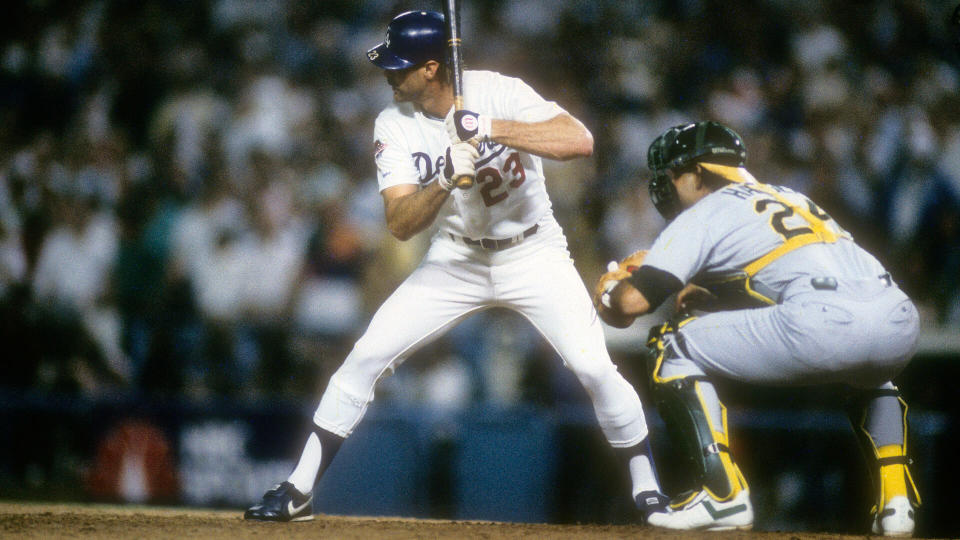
[(42, 520)]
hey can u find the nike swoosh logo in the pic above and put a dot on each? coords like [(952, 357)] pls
[(719, 514), (292, 510)]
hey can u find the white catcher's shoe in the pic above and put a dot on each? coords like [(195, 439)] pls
[(704, 513), (896, 518)]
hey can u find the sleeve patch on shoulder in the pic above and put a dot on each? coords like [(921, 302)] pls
[(378, 148)]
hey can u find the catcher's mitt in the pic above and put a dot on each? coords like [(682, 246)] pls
[(615, 273)]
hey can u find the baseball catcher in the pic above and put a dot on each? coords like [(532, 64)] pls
[(771, 291)]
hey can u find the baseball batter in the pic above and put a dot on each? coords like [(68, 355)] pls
[(494, 244), (799, 303)]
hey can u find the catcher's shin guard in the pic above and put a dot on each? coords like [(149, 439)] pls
[(886, 456), (695, 418)]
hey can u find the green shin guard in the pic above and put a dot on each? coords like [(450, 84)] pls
[(688, 424), (684, 403)]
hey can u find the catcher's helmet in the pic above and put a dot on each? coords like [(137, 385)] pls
[(412, 38), (684, 145)]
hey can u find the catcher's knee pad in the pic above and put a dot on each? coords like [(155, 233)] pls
[(695, 418), (886, 456)]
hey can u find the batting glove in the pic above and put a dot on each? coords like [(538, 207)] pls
[(461, 159), (466, 125)]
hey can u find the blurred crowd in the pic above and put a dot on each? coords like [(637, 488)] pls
[(188, 201)]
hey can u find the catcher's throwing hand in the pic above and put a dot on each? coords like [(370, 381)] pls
[(461, 161), (467, 126), (695, 297), (616, 272)]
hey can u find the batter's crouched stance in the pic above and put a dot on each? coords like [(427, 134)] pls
[(789, 298), (497, 244)]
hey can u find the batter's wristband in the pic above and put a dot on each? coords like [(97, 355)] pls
[(484, 127), (446, 183)]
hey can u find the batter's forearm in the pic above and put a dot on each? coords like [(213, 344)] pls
[(562, 137), (410, 214)]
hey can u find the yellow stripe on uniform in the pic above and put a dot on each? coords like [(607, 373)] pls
[(664, 329), (734, 477), (893, 479), (784, 248), (739, 175), (754, 294)]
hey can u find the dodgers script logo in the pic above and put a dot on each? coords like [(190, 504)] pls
[(500, 170), (430, 167)]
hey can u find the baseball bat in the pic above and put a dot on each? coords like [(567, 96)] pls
[(955, 23), (451, 15)]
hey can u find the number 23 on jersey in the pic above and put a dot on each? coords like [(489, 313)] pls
[(495, 183)]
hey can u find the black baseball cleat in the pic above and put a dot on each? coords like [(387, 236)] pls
[(282, 503), (651, 502)]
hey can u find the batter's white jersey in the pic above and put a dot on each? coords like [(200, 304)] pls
[(510, 195)]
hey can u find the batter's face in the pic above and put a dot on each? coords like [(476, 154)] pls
[(407, 84)]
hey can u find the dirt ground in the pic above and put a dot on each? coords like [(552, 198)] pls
[(38, 520)]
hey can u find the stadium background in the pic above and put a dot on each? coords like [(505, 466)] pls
[(191, 238)]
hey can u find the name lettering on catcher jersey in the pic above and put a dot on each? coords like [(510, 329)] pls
[(747, 191)]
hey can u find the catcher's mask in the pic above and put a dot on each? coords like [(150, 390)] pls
[(682, 146)]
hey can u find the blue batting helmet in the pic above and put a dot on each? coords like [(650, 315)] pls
[(412, 38)]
